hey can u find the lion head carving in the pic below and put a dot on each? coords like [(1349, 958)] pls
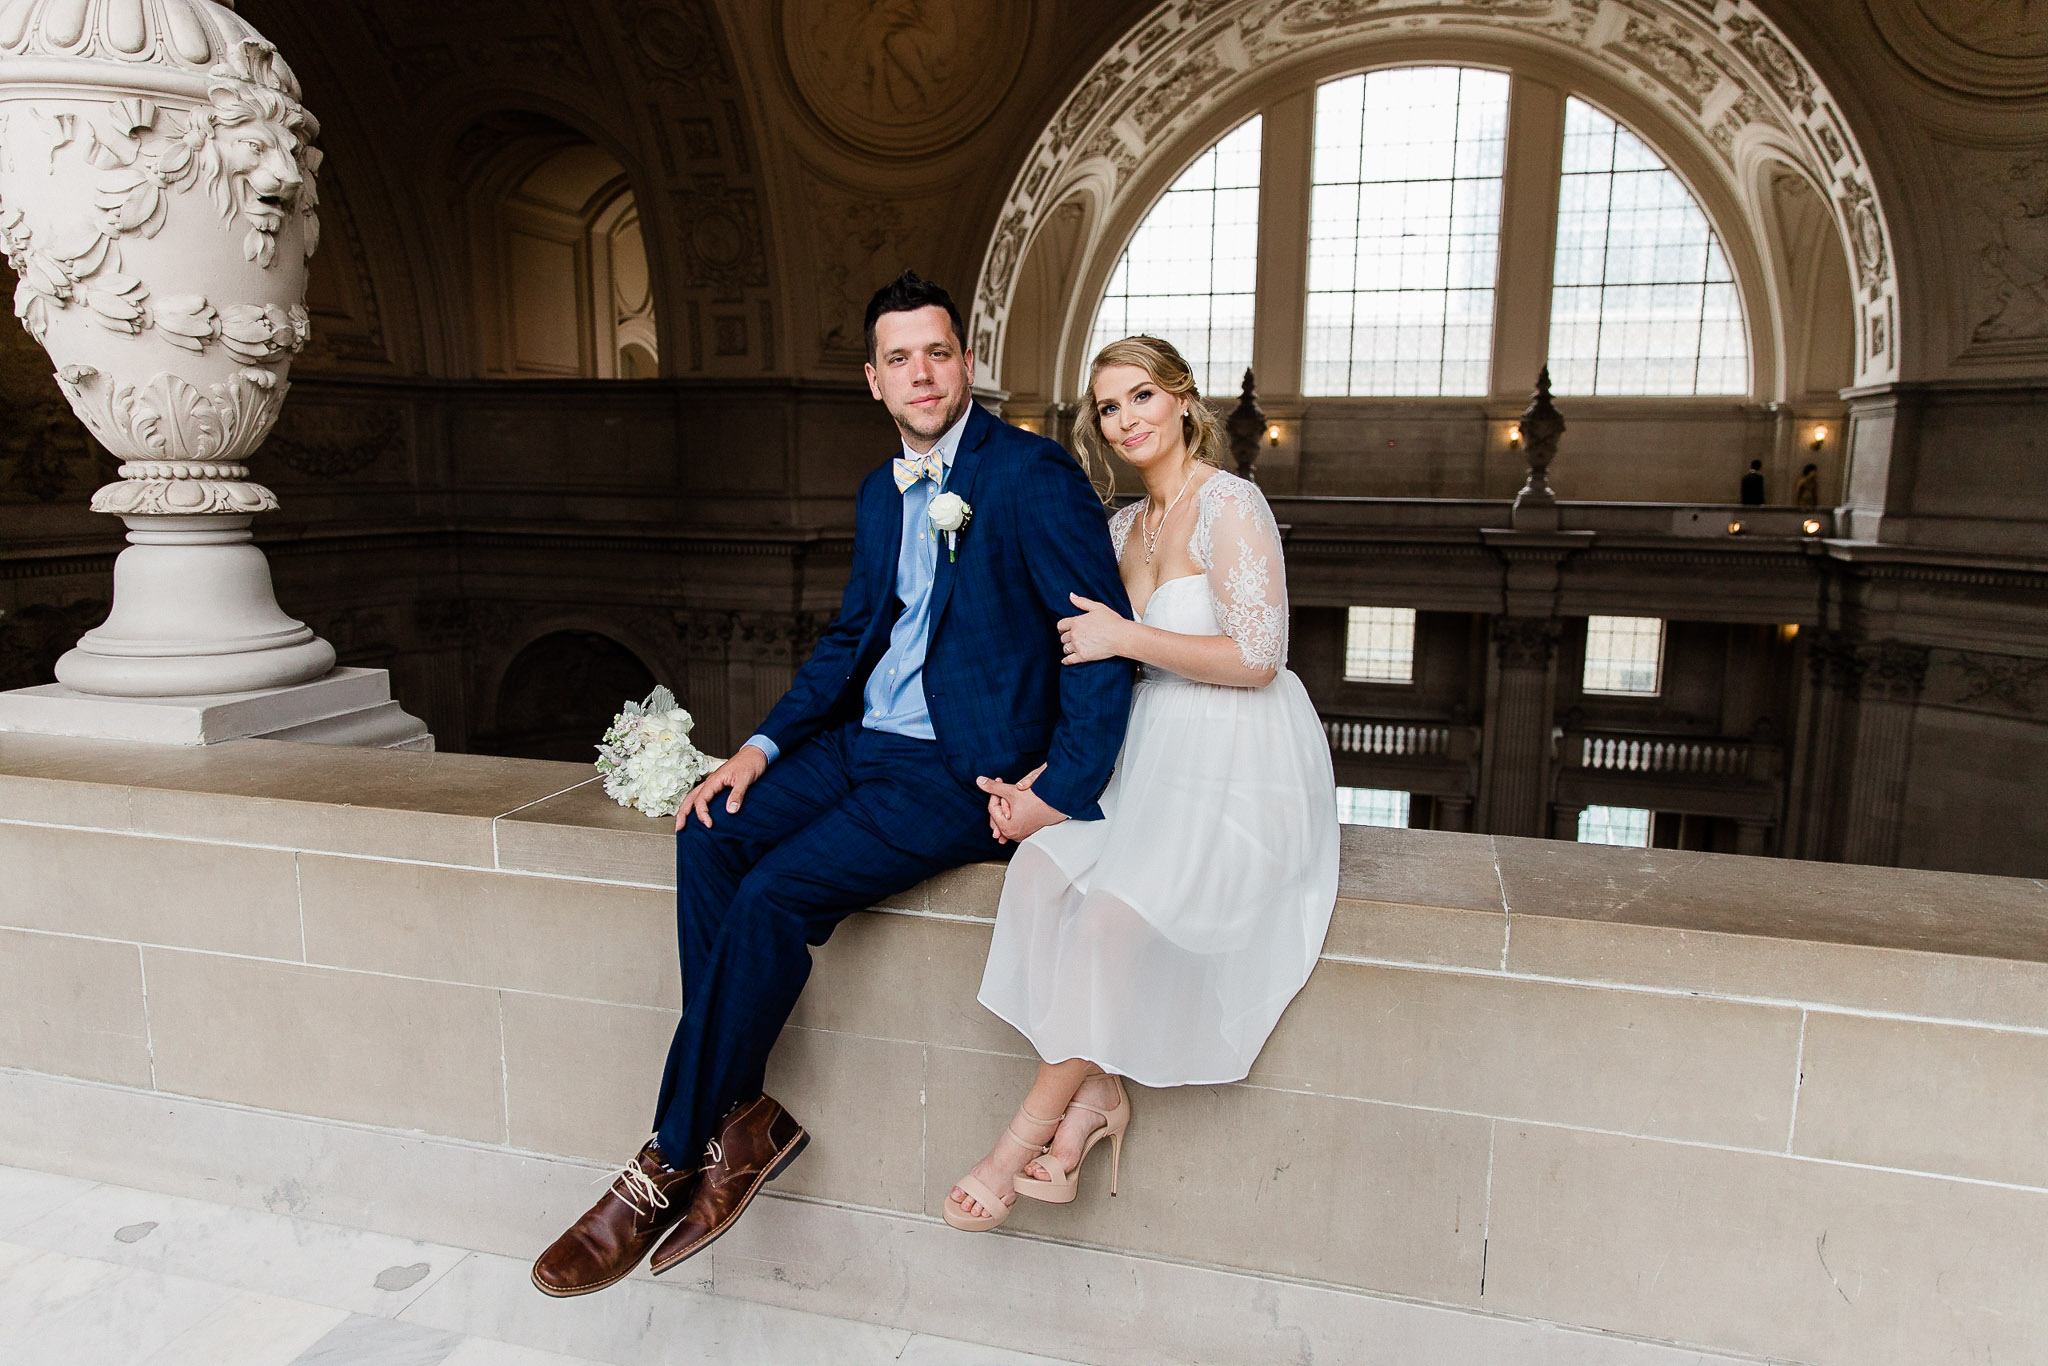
[(255, 150)]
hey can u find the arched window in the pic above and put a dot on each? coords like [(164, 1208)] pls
[(1407, 176), (1191, 272), (1642, 300), (1404, 232), (1399, 229)]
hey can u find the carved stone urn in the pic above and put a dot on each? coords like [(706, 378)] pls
[(157, 202)]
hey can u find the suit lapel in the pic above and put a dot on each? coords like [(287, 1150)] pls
[(960, 480), (890, 536)]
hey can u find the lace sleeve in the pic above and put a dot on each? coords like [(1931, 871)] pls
[(1120, 526), (1237, 544)]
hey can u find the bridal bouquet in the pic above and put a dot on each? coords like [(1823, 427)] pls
[(647, 759)]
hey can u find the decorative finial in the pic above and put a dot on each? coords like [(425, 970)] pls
[(1247, 424), (1541, 426)]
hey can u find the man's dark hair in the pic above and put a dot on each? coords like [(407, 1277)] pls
[(1756, 464), (906, 294)]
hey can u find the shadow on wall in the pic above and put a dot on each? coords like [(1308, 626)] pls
[(559, 694)]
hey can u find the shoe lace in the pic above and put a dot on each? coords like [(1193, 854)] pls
[(714, 1153), (633, 1185)]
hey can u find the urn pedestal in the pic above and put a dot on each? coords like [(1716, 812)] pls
[(158, 205)]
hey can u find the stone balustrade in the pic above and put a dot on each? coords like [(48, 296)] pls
[(1539, 1103)]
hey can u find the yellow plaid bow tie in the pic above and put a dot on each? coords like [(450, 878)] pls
[(910, 469)]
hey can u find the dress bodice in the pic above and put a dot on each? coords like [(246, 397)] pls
[(1242, 589)]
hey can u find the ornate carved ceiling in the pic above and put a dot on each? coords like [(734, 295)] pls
[(1985, 47), (903, 77)]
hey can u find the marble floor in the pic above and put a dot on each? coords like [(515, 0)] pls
[(99, 1275)]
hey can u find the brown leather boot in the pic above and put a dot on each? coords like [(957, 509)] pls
[(754, 1144), (602, 1248)]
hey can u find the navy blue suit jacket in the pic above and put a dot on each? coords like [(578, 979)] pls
[(1001, 702)]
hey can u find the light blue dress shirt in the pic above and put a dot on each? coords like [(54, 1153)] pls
[(894, 700)]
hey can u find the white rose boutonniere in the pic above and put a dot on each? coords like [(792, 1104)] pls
[(949, 513)]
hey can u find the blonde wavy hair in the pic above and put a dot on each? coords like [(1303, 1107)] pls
[(1168, 369)]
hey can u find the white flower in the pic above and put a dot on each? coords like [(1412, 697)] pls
[(949, 512), (647, 759)]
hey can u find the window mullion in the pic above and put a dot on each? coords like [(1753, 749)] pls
[(1528, 235), (1279, 321)]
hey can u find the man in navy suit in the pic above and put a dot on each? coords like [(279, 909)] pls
[(938, 686)]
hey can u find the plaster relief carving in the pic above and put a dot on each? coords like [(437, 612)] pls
[(1982, 47), (1720, 65), (1987, 682), (2008, 223), (675, 43), (859, 244), (1786, 73), (1672, 57), (903, 77), (336, 442), (1866, 234), (166, 419), (722, 231)]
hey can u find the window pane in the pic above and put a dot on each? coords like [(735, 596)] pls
[(1642, 300), (1628, 826), (1404, 232), (1624, 655), (1192, 266), (1372, 806), (1379, 645)]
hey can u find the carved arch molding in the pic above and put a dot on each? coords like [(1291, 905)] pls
[(1720, 68)]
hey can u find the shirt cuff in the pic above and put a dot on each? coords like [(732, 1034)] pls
[(765, 745)]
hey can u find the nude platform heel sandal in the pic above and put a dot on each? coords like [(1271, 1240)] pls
[(1062, 1186), (959, 1218)]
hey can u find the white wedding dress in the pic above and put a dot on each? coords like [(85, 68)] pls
[(1163, 941)]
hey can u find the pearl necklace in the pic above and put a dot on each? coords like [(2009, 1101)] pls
[(1146, 530)]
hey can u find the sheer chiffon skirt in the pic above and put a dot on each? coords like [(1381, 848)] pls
[(1163, 941)]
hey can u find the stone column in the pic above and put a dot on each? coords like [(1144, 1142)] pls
[(1452, 813), (157, 199), (1826, 711), (1518, 730), (1875, 813)]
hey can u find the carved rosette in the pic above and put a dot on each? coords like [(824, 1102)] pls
[(157, 202)]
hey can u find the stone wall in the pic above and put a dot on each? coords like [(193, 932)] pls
[(1539, 1102)]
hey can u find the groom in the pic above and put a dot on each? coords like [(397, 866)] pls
[(938, 686)]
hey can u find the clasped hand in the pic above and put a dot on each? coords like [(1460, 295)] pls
[(1015, 812), (1095, 634)]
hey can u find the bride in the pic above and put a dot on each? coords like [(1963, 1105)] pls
[(1161, 942)]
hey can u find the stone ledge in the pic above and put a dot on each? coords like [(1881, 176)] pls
[(1950, 946), (1522, 1072)]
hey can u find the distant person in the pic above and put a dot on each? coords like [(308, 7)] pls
[(1806, 492), (1753, 485)]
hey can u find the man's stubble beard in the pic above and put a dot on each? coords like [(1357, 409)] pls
[(941, 424)]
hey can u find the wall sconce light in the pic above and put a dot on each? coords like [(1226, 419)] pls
[(1273, 434), (1029, 424), (1820, 436), (1811, 526), (1735, 528), (1789, 632), (1514, 436)]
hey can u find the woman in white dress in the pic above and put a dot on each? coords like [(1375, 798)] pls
[(1161, 942)]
